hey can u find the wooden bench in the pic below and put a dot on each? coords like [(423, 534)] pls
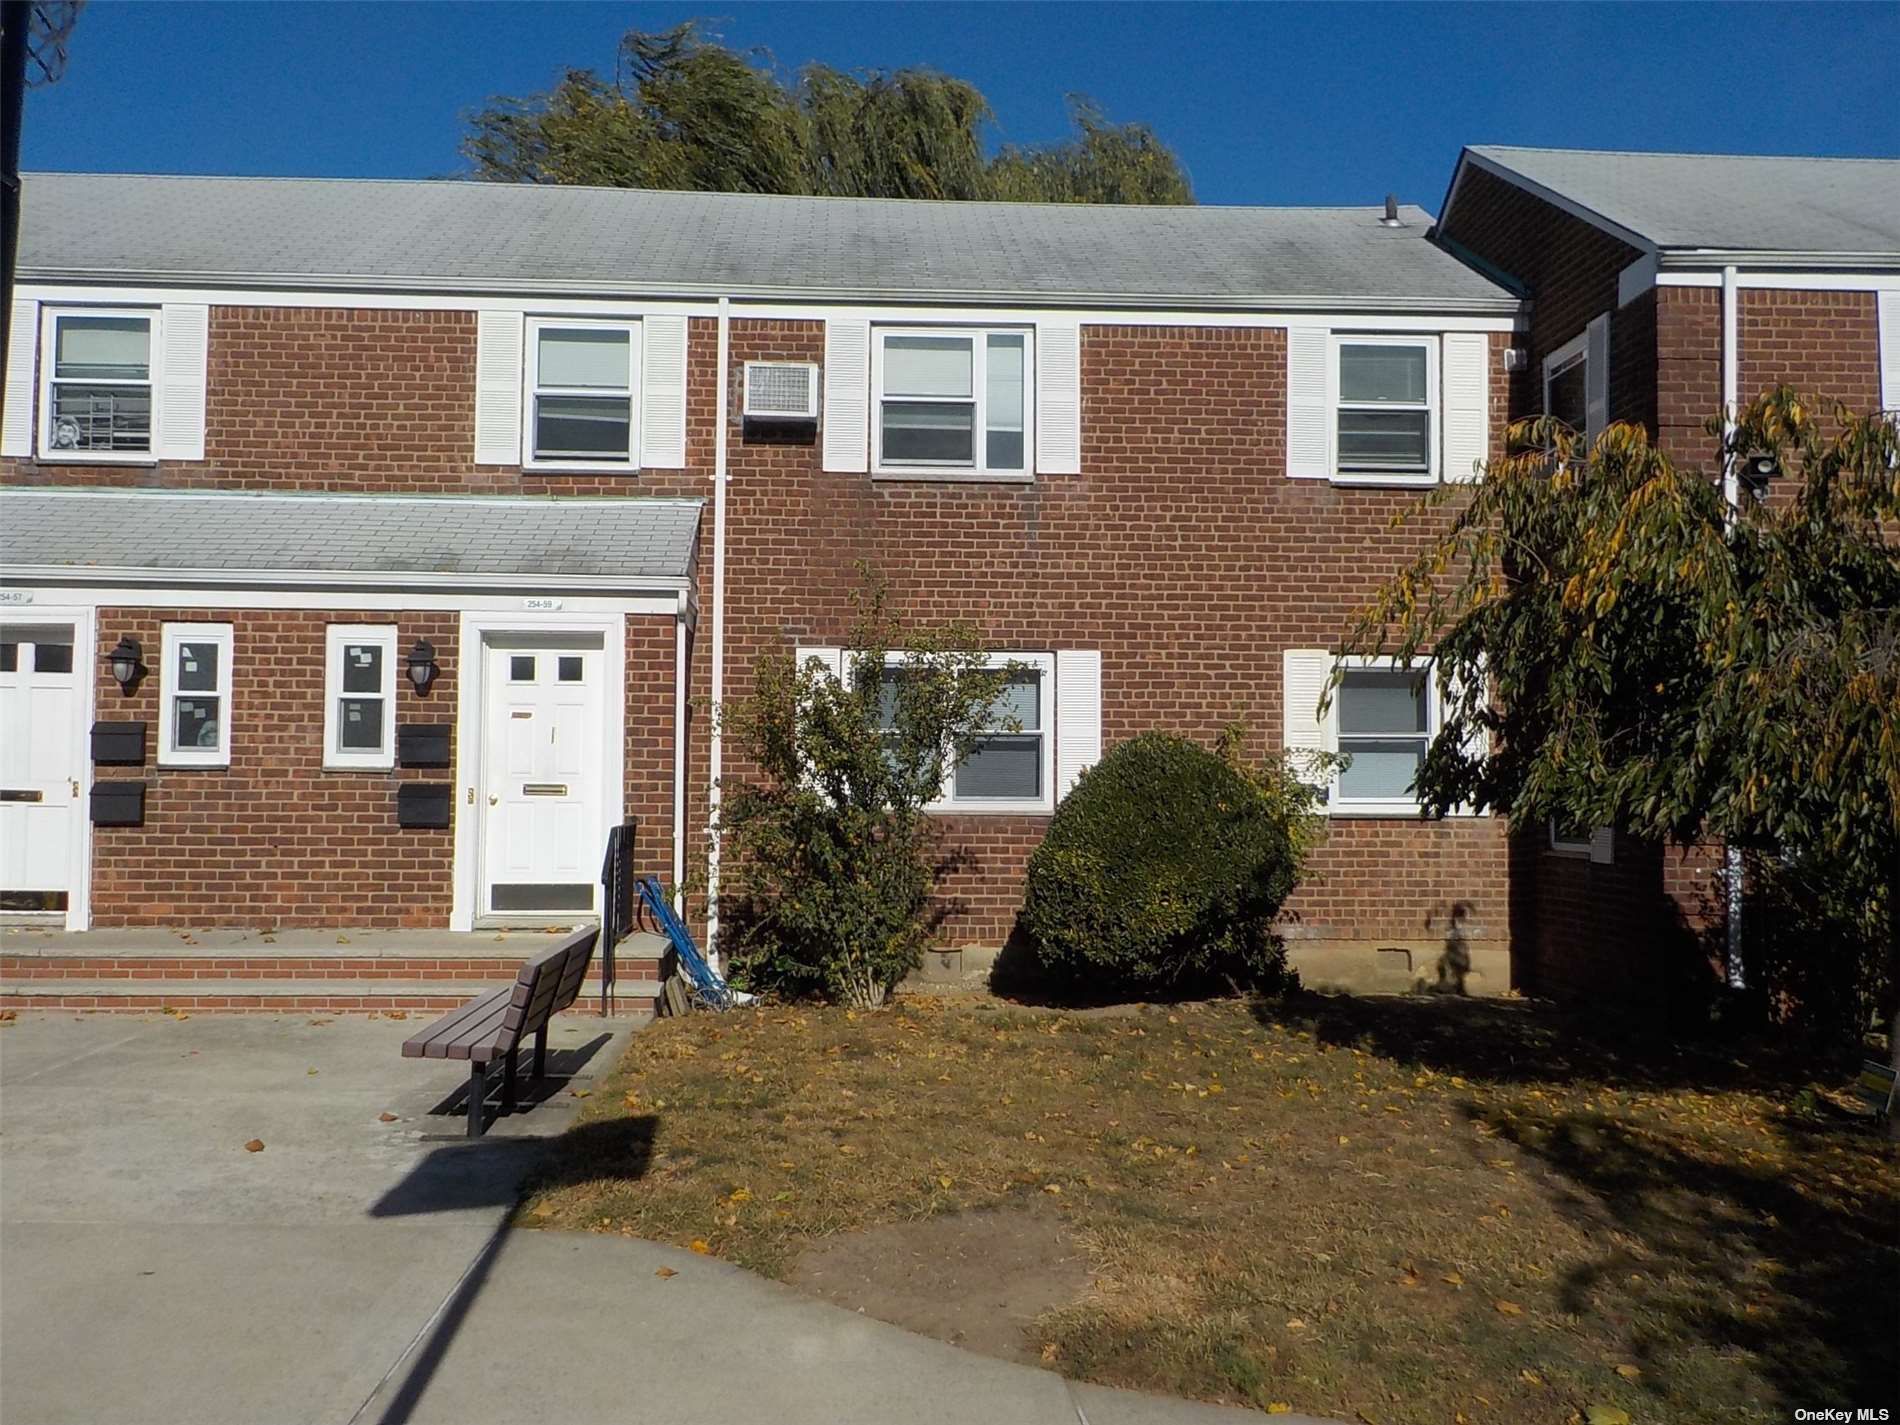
[(491, 1027)]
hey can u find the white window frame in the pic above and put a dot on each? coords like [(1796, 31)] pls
[(531, 388), (1434, 406), (337, 637), (1561, 845), (1575, 352), (172, 635), (947, 801), (49, 346), (979, 384), (1338, 805)]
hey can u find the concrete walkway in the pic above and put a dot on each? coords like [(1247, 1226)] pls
[(359, 1271)]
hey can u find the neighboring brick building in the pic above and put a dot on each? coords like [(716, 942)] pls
[(1629, 263), (1153, 454)]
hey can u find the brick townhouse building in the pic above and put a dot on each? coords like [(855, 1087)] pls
[(370, 548), (1658, 288)]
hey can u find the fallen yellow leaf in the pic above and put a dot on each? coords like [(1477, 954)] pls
[(256, 1145), (1509, 1308), (1606, 1415), (701, 1246), (664, 1272), (1279, 1407), (1452, 1279), (1629, 1372)]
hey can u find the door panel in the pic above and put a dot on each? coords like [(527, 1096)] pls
[(541, 801), (40, 812)]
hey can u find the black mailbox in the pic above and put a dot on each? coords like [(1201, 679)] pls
[(118, 744), (422, 804), (422, 744), (118, 803)]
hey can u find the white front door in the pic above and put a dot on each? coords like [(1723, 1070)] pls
[(41, 818), (542, 821)]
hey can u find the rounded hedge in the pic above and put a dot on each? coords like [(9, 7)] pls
[(1164, 866)]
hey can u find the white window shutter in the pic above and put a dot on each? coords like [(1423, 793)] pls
[(185, 337), (663, 393), (1058, 398), (1467, 404), (498, 388), (832, 658), (1309, 415), (1306, 733), (1596, 377), (1889, 350), (1078, 715), (1603, 845), (23, 349), (847, 415)]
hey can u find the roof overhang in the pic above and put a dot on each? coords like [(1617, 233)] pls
[(1501, 305), (433, 579)]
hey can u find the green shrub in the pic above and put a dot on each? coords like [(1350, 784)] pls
[(1165, 867), (831, 861)]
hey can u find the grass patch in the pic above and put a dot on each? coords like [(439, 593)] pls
[(1397, 1210)]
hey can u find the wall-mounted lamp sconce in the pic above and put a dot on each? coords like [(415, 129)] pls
[(1755, 473), (422, 665), (127, 662)]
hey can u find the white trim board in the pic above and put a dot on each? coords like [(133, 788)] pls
[(1373, 314), (469, 689)]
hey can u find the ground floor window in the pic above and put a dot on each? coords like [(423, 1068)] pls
[(1385, 727), (195, 679)]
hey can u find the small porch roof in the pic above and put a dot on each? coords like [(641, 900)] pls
[(636, 542)]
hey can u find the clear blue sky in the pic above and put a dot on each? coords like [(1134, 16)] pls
[(1265, 103)]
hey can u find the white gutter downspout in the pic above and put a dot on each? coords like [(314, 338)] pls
[(717, 747), (680, 672), (1732, 497)]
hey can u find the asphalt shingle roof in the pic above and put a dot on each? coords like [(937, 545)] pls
[(1740, 203), (636, 538), (603, 240)]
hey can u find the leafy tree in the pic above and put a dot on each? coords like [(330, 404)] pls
[(1635, 655), (685, 112), (830, 861)]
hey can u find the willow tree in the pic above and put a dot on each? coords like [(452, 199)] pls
[(1618, 647), (686, 112)]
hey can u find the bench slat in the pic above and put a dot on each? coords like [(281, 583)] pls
[(420, 1045)]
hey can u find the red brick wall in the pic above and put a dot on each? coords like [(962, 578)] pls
[(276, 839), (351, 399), (1568, 267), (1183, 553)]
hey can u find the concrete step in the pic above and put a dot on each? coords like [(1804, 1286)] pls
[(258, 967), (632, 996)]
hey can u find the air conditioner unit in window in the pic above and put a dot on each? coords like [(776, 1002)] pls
[(781, 391)]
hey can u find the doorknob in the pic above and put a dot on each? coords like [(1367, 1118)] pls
[(493, 799), (75, 782)]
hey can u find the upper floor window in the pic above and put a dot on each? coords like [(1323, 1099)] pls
[(581, 379), (1385, 408), (196, 679), (952, 401), (96, 393)]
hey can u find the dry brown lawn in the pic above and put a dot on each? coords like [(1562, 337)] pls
[(1384, 1210)]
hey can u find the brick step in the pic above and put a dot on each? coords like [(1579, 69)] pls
[(285, 996), (14, 967)]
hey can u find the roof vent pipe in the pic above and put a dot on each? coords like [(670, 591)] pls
[(1391, 218)]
